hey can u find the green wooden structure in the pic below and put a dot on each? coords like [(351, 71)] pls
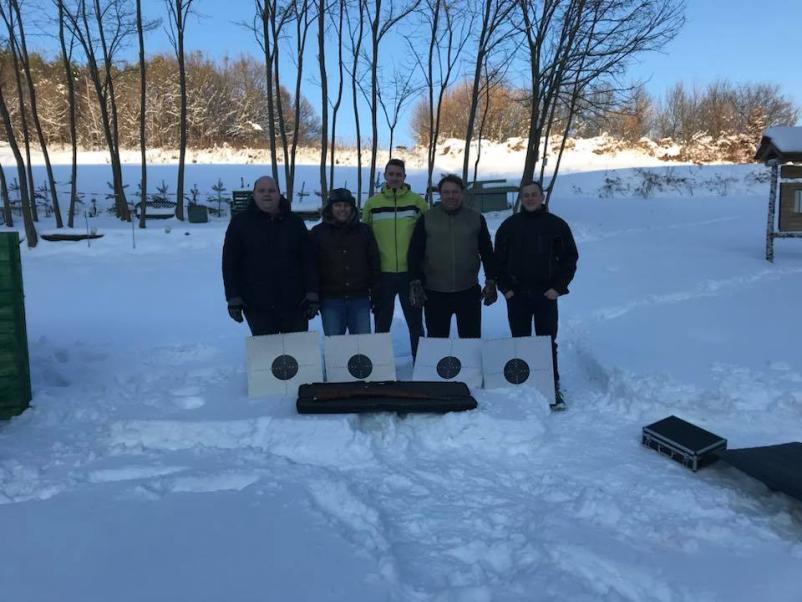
[(197, 214), (15, 377), (240, 199), (489, 195)]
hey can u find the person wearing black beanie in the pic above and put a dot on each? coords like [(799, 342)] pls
[(348, 266)]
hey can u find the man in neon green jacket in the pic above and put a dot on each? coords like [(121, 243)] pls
[(392, 215)]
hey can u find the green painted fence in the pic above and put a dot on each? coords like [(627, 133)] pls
[(15, 379)]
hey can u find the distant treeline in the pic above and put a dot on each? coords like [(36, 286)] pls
[(719, 110), (226, 103)]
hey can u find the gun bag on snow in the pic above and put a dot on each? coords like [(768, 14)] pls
[(384, 396)]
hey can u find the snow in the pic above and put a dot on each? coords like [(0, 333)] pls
[(144, 472), (786, 139)]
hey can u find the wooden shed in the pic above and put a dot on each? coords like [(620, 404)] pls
[(781, 149)]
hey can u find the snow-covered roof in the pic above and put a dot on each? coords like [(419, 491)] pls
[(781, 143)]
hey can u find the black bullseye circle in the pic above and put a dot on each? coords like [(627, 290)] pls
[(448, 367), (284, 367), (360, 366), (516, 371)]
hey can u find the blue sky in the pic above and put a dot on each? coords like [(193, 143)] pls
[(740, 40)]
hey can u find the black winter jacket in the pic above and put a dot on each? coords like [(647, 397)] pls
[(268, 261), (347, 257), (535, 251)]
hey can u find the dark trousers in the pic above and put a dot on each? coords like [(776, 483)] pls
[(276, 322), (393, 284), (466, 305), (524, 307)]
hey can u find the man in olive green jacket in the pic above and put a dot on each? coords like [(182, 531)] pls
[(448, 245), (392, 215)]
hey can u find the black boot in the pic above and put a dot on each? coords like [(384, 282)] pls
[(559, 402)]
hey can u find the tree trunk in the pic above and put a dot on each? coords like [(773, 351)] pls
[(182, 79), (27, 217), (26, 65), (354, 67), (374, 106), (324, 94), (302, 32), (26, 137), (143, 184), (8, 219), (268, 16), (336, 108), (110, 122), (67, 59)]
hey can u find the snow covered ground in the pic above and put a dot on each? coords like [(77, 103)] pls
[(143, 472)]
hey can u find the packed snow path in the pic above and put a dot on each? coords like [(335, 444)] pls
[(144, 472)]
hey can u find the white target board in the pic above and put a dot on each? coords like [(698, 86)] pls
[(519, 362), (449, 359), (279, 363), (359, 357)]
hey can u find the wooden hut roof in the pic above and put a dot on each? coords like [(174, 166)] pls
[(781, 143)]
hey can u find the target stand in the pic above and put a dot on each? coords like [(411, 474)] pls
[(448, 360), (353, 357), (519, 361), (279, 363)]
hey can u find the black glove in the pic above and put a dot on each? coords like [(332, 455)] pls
[(489, 292), (417, 296), (235, 307), (310, 305)]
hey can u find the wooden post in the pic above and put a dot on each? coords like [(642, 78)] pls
[(772, 210)]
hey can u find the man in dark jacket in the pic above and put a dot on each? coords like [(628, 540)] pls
[(536, 256), (348, 264), (447, 245), (269, 270)]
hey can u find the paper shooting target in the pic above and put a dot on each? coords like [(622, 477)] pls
[(359, 357), (520, 361), (278, 363), (449, 360)]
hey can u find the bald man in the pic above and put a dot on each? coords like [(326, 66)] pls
[(269, 270)]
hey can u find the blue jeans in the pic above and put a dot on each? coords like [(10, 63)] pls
[(339, 315)]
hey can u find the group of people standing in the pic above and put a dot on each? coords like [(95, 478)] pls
[(278, 276)]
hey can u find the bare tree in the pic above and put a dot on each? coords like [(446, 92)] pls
[(324, 94), (355, 36), (102, 29), (303, 21), (492, 79), (340, 15), (9, 19), (447, 37), (270, 18), (403, 90), (573, 47), (494, 30), (177, 11), (143, 85), (69, 78), (27, 217), (22, 47), (381, 21)]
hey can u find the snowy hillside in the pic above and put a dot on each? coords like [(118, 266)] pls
[(143, 472)]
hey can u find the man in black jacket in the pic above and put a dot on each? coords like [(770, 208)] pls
[(447, 246), (269, 270), (348, 264), (536, 256)]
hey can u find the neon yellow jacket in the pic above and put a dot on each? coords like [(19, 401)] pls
[(392, 215)]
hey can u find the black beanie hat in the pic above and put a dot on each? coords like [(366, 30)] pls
[(341, 195)]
